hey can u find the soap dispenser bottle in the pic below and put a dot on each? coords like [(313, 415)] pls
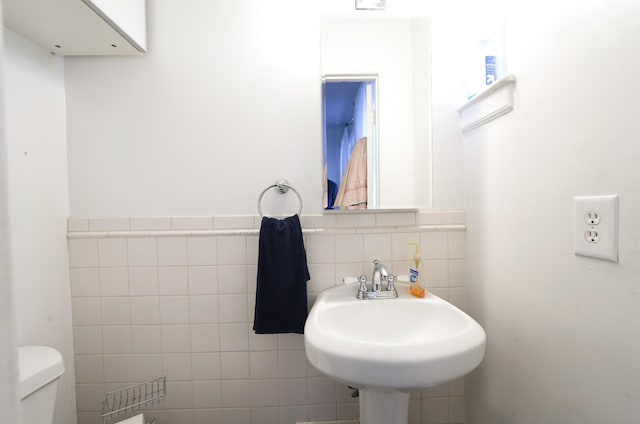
[(415, 286)]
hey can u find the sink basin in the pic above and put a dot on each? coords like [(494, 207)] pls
[(390, 346)]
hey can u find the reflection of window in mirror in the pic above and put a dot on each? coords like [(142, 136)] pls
[(350, 142)]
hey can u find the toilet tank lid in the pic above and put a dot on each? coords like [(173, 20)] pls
[(37, 366)]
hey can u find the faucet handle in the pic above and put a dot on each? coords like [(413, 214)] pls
[(363, 284), (390, 282)]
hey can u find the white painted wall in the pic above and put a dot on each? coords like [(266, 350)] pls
[(38, 204), (226, 101), (562, 330), (8, 359)]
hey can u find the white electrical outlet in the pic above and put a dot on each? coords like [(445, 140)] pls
[(595, 226)]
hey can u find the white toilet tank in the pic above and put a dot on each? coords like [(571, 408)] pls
[(39, 369)]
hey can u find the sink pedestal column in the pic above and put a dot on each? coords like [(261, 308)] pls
[(384, 407)]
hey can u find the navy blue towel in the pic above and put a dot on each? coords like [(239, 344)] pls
[(281, 294)]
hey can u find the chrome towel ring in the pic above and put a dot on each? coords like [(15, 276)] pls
[(282, 186)]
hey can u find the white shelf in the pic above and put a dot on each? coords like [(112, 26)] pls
[(490, 104)]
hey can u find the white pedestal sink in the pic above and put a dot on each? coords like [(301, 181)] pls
[(390, 347)]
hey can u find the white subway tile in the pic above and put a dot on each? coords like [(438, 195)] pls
[(236, 415), (435, 410), (84, 282), (175, 338), (377, 246), (191, 223), (265, 415), (320, 249), (89, 369), (349, 248), (457, 249), (433, 245), (203, 309), (395, 218), (322, 390), (116, 339), (203, 280), (118, 368), (205, 338), (146, 339), (261, 342), (202, 250), (265, 393), (294, 414), (293, 391), (456, 410), (232, 250), (236, 394), (232, 279), (234, 365), (233, 308), (318, 221), (208, 394), (145, 310), (400, 247), (116, 311), (147, 367), (181, 395), (263, 364), (87, 340), (178, 416), (143, 281), (173, 281), (456, 273), (142, 251), (435, 218), (86, 311), (148, 223), (324, 412), (232, 222), (174, 309), (234, 337), (252, 250), (112, 252), (458, 297), (114, 282), (206, 366), (355, 220), (172, 251), (322, 277), (291, 341), (435, 274), (75, 224), (83, 253), (292, 364), (460, 217), (176, 366), (109, 224), (88, 396)]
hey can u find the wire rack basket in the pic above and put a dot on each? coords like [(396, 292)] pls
[(120, 404)]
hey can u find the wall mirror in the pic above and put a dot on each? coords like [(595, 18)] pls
[(376, 76)]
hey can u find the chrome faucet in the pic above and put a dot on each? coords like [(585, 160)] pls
[(380, 274)]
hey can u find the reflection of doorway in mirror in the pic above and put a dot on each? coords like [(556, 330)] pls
[(350, 142)]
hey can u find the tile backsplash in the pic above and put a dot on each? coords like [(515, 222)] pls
[(175, 297)]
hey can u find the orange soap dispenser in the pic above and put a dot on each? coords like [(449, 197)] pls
[(415, 286)]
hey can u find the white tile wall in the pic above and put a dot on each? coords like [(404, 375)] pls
[(174, 296)]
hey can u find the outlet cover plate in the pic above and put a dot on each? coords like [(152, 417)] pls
[(607, 229)]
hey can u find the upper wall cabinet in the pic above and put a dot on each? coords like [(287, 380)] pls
[(80, 27)]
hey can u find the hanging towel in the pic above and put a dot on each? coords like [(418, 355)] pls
[(281, 293), (353, 188)]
